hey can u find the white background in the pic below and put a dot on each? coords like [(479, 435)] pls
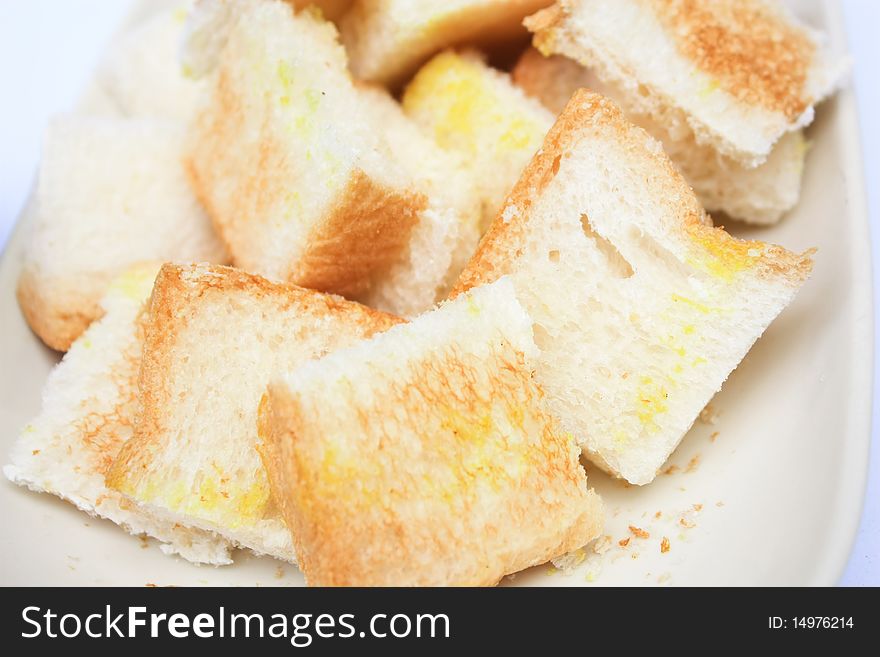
[(49, 47)]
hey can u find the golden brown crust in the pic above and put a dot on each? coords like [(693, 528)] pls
[(587, 111), (176, 286), (409, 485), (361, 237), (56, 325), (746, 46), (755, 55)]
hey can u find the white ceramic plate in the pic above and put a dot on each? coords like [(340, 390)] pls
[(780, 486)]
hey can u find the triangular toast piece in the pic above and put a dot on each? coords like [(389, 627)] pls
[(425, 456), (641, 308), (215, 336), (302, 170), (738, 73), (88, 412)]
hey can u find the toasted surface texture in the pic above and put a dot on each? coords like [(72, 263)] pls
[(389, 39), (738, 73), (88, 412), (641, 308), (477, 114), (760, 195), (214, 338), (299, 190), (111, 192), (425, 456)]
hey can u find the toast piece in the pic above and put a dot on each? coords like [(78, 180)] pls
[(738, 73), (214, 338), (110, 193), (141, 73), (477, 113), (88, 411), (758, 195), (387, 40), (299, 190), (641, 308), (425, 456)]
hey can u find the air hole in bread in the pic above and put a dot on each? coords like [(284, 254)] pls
[(617, 264), (542, 337), (649, 245), (553, 255)]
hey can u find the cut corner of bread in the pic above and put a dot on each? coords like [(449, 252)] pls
[(641, 308), (110, 192), (88, 410), (214, 337), (758, 195), (477, 114), (299, 190), (389, 39), (431, 444), (782, 68)]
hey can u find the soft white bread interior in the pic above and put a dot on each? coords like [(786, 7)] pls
[(425, 456), (738, 73), (759, 195), (641, 309), (141, 74), (110, 192), (448, 230), (477, 114), (88, 412), (299, 180), (388, 40), (213, 339)]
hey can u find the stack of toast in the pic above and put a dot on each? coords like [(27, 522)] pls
[(336, 287)]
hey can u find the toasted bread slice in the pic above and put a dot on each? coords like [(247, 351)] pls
[(758, 195), (738, 73), (88, 412), (141, 73), (301, 182), (214, 338), (641, 308), (425, 455), (388, 40), (476, 113), (110, 193)]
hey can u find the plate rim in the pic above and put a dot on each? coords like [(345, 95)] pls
[(860, 422)]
